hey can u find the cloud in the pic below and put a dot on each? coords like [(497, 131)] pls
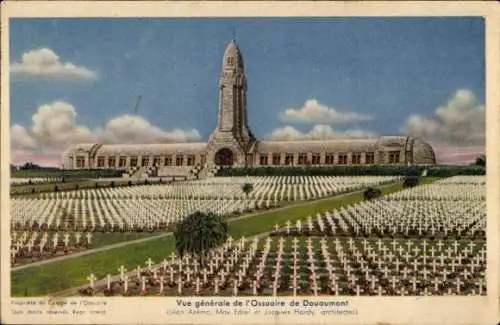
[(318, 132), (315, 112), (54, 129), (45, 63), (461, 122), (136, 129), (458, 155)]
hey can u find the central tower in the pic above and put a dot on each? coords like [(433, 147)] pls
[(232, 139)]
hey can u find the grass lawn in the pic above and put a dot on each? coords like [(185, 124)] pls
[(50, 278)]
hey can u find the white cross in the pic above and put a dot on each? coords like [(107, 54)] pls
[(235, 287), (179, 285), (149, 263), (205, 275), (424, 245), (397, 263), (254, 287), (394, 244), (440, 245), (458, 282), (445, 273), (414, 283), (393, 282), (408, 245), (161, 284), (373, 280), (471, 246), (198, 285), (436, 284), (425, 272), (125, 283), (92, 278), (188, 273), (216, 285)]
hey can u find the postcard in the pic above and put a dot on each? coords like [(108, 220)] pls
[(250, 163)]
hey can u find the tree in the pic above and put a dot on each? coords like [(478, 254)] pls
[(200, 232), (411, 181), (481, 161), (371, 193), (247, 188)]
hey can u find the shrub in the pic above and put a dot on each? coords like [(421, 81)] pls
[(411, 181), (371, 193)]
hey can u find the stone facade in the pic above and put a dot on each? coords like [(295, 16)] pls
[(232, 142)]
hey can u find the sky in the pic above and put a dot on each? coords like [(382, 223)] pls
[(76, 80)]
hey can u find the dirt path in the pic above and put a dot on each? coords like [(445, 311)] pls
[(142, 240)]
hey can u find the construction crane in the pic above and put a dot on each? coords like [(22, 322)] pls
[(136, 107)]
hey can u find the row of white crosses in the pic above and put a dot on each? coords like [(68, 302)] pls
[(120, 213), (35, 180), (457, 188), (464, 180), (351, 266), (146, 207), (276, 188), (397, 217), (37, 244)]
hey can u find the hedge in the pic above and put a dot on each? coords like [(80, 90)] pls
[(376, 170)]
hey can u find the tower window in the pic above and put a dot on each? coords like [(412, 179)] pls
[(230, 60)]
